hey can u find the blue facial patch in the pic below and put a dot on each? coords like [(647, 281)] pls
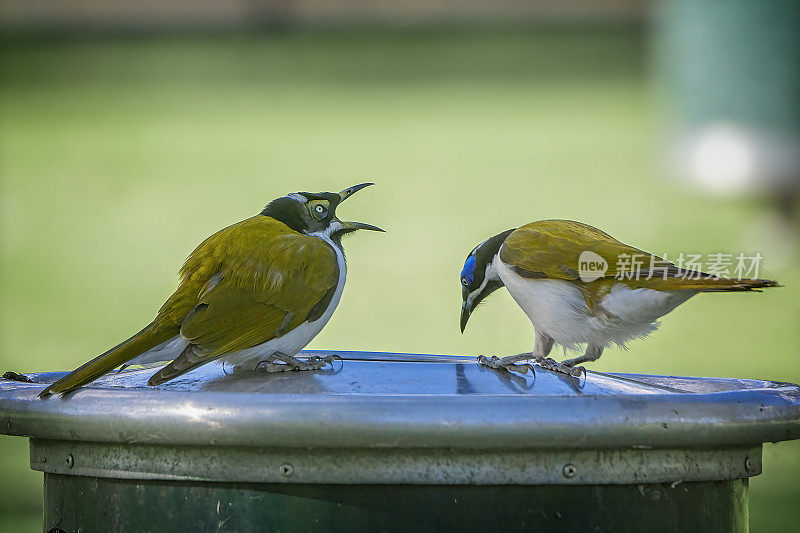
[(469, 269)]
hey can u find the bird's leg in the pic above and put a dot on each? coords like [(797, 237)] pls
[(288, 362), (545, 342), (541, 347), (593, 353)]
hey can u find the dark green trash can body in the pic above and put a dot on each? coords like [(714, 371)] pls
[(391, 442), (128, 505)]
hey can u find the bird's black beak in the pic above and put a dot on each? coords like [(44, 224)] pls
[(352, 226), (465, 312), (350, 191)]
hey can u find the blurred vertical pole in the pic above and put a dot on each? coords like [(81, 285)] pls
[(731, 73)]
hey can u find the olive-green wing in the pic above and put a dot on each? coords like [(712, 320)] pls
[(268, 282), (243, 310), (244, 285), (552, 248)]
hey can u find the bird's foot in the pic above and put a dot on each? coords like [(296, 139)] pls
[(282, 363), (14, 376), (550, 364), (316, 362), (509, 364)]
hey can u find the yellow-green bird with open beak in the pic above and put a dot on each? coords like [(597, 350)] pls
[(255, 292), (577, 286)]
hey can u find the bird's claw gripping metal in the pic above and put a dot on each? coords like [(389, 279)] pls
[(498, 364), (550, 364), (511, 364), (276, 363)]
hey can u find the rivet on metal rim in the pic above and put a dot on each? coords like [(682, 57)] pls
[(70, 460), (569, 470), (287, 470), (748, 464)]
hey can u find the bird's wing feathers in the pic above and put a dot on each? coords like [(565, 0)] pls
[(266, 284), (551, 249)]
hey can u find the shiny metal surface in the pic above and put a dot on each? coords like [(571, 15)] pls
[(380, 400)]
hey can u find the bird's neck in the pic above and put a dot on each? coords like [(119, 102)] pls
[(284, 210), (492, 273), (488, 254), (333, 236)]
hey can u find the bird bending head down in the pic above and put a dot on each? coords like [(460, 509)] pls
[(570, 280), (479, 277)]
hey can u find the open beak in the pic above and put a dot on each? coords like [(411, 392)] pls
[(352, 226), (350, 191), (465, 312)]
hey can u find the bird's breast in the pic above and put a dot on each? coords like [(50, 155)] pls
[(337, 294), (556, 307)]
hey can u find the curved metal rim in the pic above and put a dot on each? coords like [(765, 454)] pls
[(731, 418)]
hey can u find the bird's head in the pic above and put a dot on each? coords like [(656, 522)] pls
[(315, 213), (479, 277)]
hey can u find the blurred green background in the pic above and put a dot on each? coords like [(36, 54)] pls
[(119, 155)]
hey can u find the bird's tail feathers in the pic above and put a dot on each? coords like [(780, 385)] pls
[(146, 339), (189, 359), (735, 285), (701, 282)]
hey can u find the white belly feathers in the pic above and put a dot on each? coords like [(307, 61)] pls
[(558, 308)]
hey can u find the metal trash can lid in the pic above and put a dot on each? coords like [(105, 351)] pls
[(389, 400)]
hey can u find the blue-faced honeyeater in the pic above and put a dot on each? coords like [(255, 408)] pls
[(578, 286), (257, 291)]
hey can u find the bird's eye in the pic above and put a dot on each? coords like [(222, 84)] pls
[(464, 281), (320, 211)]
